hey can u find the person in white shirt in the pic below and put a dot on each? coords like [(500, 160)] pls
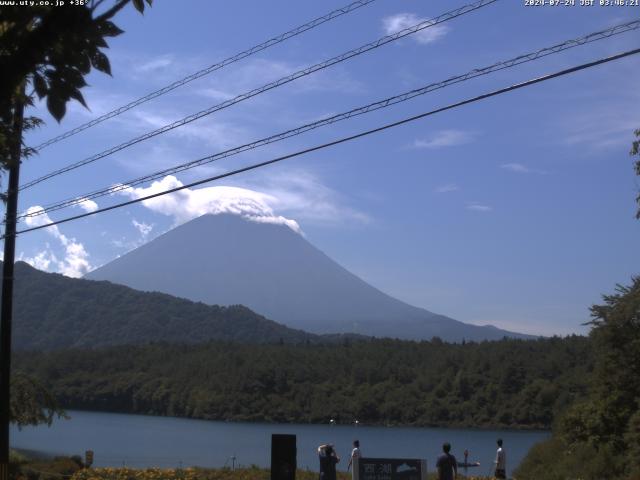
[(501, 461), (355, 453)]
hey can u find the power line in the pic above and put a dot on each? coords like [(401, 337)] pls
[(211, 68), (342, 140), (592, 37), (269, 86)]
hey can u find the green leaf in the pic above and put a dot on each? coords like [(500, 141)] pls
[(100, 62), (84, 64), (56, 105), (139, 5), (29, 123), (73, 77), (75, 93), (98, 41), (40, 85), (109, 29)]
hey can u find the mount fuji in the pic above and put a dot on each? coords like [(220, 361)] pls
[(228, 260)]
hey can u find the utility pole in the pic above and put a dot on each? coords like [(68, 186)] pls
[(7, 282)]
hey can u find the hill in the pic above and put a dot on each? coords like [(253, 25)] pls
[(52, 311), (227, 260)]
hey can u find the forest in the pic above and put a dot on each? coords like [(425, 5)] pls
[(509, 383), (599, 435), (52, 311)]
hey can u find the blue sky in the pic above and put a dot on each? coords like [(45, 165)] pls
[(517, 211)]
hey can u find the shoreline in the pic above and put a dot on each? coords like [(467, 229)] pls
[(524, 429)]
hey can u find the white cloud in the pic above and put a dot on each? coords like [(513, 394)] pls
[(336, 79), (41, 260), (478, 207), (152, 65), (444, 138), (130, 244), (400, 21), (602, 128), (138, 66), (515, 167), (257, 68), (76, 259), (123, 243), (187, 204), (267, 199), (449, 187), (599, 117), (143, 228), (215, 94), (302, 195), (99, 102), (87, 205), (520, 168), (207, 130), (227, 84)]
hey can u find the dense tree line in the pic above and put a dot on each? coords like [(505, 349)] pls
[(510, 383), (599, 436)]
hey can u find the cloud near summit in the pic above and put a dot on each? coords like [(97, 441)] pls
[(188, 204)]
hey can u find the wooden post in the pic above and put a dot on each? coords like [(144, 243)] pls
[(6, 309)]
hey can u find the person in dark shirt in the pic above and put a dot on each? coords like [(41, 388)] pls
[(328, 460), (447, 465)]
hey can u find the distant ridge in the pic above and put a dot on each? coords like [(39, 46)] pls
[(52, 311), (226, 260)]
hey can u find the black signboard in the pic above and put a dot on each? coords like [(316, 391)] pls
[(389, 469), (283, 457)]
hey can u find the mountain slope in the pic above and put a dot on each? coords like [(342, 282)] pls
[(53, 311), (226, 260)]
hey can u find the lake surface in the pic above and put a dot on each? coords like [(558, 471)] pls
[(145, 441)]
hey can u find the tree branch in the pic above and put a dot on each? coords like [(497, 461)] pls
[(112, 11)]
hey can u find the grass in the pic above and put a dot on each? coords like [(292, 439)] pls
[(253, 473), (71, 468)]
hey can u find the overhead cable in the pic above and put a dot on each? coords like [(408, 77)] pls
[(528, 57), (339, 141), (211, 68), (269, 86)]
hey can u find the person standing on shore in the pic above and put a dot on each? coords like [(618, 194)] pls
[(447, 465), (355, 453), (328, 460), (500, 461)]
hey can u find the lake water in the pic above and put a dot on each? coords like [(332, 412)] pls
[(144, 441)]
